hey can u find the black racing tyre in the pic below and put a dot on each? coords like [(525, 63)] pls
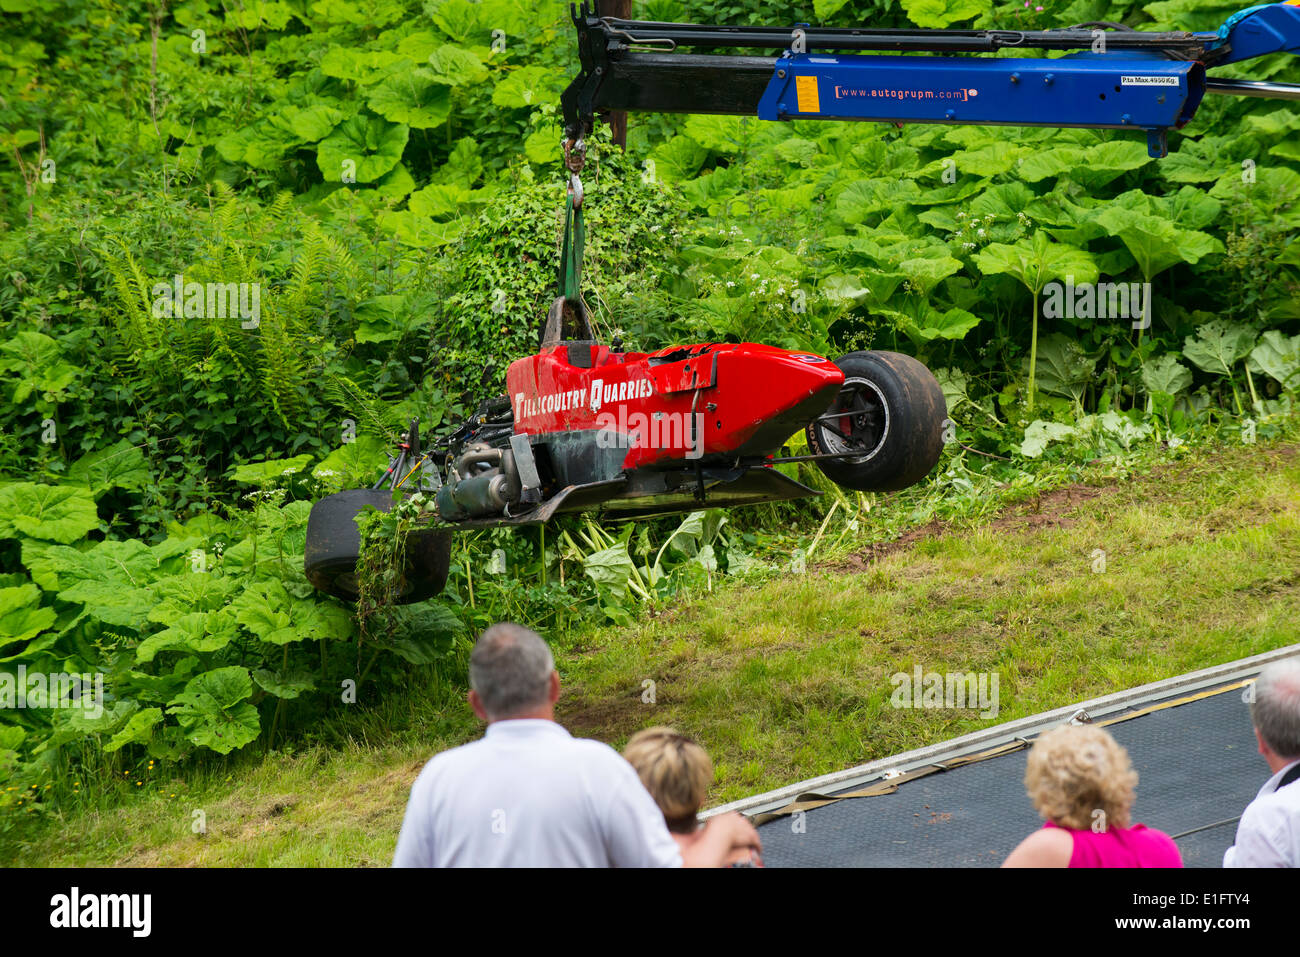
[(891, 413), (334, 544)]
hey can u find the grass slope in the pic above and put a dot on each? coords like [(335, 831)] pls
[(789, 678)]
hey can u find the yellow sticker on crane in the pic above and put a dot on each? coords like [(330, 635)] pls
[(805, 91)]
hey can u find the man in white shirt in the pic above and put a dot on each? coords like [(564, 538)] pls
[(1269, 832), (528, 794)]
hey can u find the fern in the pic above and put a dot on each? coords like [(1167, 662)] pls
[(141, 339), (374, 416)]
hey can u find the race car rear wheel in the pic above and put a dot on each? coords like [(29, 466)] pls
[(334, 545), (887, 422)]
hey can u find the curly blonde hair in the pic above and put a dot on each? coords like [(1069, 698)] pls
[(675, 770), (1075, 771)]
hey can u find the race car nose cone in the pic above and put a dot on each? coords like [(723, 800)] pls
[(767, 394)]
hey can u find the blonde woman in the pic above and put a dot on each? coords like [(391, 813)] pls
[(677, 773), (1082, 784)]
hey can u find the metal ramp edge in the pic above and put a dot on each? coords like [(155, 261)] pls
[(1106, 706)]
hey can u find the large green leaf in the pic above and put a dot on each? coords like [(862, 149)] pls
[(254, 14), (21, 614), (130, 563), (721, 134), (825, 9), (317, 620), (270, 472), (138, 730), (841, 287), (53, 513), (112, 603), (1039, 434), (1064, 368), (383, 318), (942, 13), (264, 609), (864, 198), (347, 63), (72, 724), (112, 580), (1108, 161), (1165, 374), (1037, 262), (923, 323), (121, 465), (455, 66), (417, 98), (1279, 357), (309, 123), (1005, 201), (1043, 164), (191, 591), (261, 145), (371, 14), (991, 160), (526, 86), (35, 363), (610, 569), (284, 686), (353, 463), (198, 632), (370, 142), (679, 158), (925, 272), (213, 711), (1219, 345), (461, 20)]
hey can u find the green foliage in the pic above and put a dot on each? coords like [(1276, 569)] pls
[(386, 174)]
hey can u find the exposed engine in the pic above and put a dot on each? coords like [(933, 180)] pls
[(483, 480)]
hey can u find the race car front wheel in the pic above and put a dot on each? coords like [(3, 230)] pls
[(334, 545), (885, 425)]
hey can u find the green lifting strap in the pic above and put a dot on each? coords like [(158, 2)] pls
[(571, 254)]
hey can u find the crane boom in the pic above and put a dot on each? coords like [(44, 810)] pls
[(1109, 77)]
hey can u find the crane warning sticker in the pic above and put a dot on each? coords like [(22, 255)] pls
[(805, 90), (1148, 81)]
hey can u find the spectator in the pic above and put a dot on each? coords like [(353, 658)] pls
[(1082, 783), (1269, 832), (527, 794), (677, 773)]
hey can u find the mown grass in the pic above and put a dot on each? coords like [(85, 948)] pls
[(789, 678)]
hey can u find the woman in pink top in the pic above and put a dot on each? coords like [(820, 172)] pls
[(1082, 783)]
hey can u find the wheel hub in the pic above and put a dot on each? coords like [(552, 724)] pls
[(857, 423)]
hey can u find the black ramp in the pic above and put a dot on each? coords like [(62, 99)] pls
[(1197, 765)]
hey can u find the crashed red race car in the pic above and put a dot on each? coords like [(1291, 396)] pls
[(588, 427)]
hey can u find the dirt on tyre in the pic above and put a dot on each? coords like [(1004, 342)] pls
[(334, 545), (886, 424)]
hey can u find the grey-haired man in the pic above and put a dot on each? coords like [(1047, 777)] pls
[(529, 794), (1269, 832)]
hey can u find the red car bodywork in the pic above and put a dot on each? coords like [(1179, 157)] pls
[(729, 399)]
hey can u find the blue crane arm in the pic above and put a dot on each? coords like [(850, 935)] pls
[(1108, 78)]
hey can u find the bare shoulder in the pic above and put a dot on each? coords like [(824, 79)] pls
[(1046, 847)]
